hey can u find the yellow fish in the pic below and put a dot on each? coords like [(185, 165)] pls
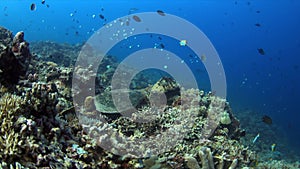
[(273, 147), (203, 58)]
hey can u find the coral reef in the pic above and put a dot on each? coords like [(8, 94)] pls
[(61, 54), (269, 135), (218, 150), (40, 128), (274, 164)]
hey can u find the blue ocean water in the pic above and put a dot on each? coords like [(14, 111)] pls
[(266, 84)]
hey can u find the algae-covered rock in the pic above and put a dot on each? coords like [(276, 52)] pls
[(166, 87), (119, 103), (164, 90), (14, 57), (5, 37), (191, 162)]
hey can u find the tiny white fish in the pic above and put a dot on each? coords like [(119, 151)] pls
[(255, 139), (183, 43)]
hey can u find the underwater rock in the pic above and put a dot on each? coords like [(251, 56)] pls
[(151, 162), (106, 104), (89, 104), (20, 47), (167, 87), (5, 37), (14, 60), (163, 92), (191, 162), (9, 68)]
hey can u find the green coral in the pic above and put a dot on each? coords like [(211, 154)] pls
[(9, 138), (225, 118)]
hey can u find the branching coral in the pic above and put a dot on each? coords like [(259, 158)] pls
[(9, 139)]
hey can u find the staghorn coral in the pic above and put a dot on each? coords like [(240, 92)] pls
[(206, 157), (10, 139)]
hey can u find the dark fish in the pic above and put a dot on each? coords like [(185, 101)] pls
[(47, 6), (32, 7), (160, 12), (242, 133), (257, 24), (257, 11), (261, 51), (43, 1), (266, 119), (162, 46), (101, 16), (136, 18), (203, 58)]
